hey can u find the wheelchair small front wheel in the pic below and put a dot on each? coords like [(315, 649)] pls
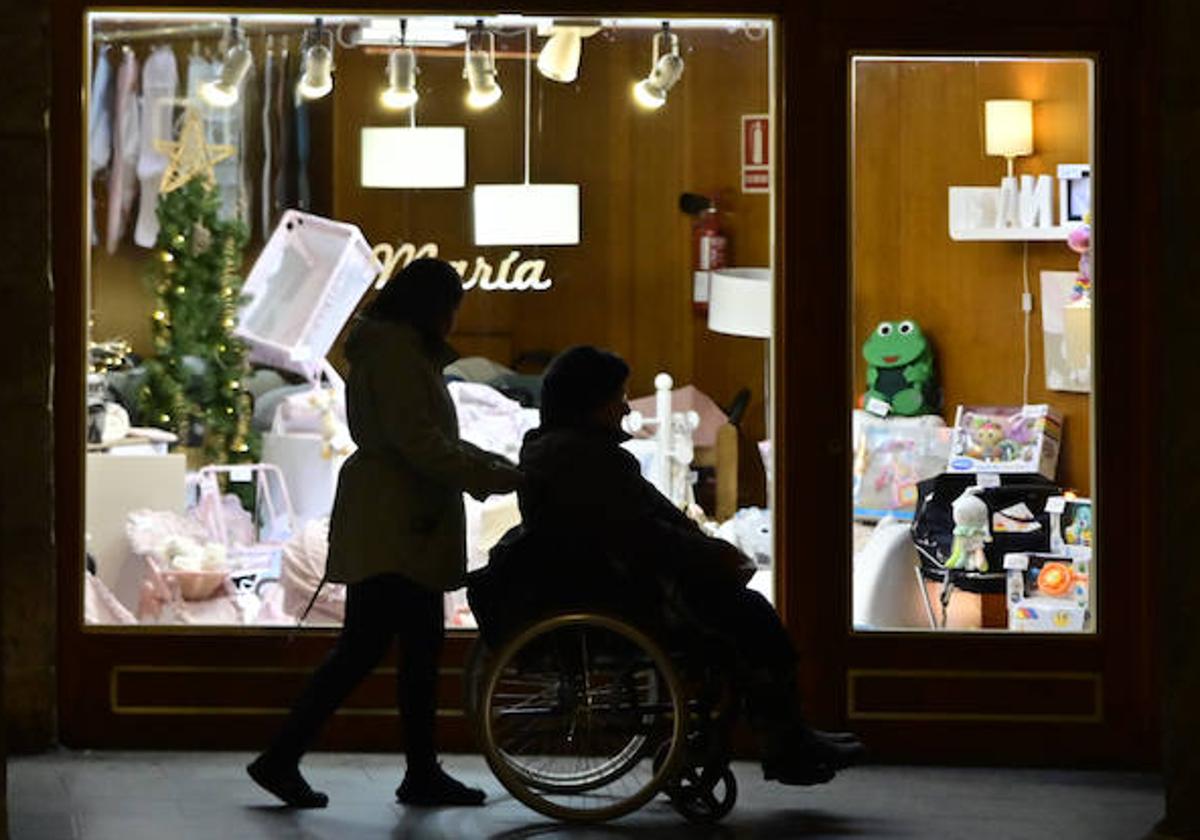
[(704, 796)]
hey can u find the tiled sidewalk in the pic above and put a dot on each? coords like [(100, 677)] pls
[(179, 796)]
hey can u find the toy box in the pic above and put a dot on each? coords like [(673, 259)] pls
[(1005, 439), (1047, 593), (891, 455)]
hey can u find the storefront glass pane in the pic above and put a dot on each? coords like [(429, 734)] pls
[(253, 183), (972, 336)]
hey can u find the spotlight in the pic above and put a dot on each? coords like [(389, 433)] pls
[(479, 69), (224, 91), (559, 58), (667, 67), (317, 79), (401, 90)]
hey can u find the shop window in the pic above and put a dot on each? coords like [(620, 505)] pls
[(254, 182), (972, 474)]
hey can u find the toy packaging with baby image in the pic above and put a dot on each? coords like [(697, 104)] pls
[(1006, 439), (891, 455)]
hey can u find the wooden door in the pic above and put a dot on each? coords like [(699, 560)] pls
[(958, 697)]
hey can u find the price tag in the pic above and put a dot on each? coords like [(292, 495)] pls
[(242, 475), (1056, 504), (878, 407), (987, 480)]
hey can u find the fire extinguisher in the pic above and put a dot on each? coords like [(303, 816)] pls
[(708, 254)]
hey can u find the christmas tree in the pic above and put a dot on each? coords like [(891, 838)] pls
[(193, 384)]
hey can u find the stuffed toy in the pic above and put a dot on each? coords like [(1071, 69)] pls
[(970, 533), (900, 374)]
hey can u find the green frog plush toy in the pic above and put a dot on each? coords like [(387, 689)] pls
[(900, 375)]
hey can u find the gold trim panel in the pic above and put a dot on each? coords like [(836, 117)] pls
[(1097, 681), (117, 708)]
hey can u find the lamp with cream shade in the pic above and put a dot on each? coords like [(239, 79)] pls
[(1008, 129), (1008, 133)]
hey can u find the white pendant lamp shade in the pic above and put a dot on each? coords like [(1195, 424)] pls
[(317, 79), (421, 157), (224, 91), (482, 89), (526, 214), (739, 302), (401, 90), (559, 58)]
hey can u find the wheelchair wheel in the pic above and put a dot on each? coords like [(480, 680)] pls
[(704, 795), (571, 711)]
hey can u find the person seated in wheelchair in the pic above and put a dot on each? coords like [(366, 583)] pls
[(585, 496)]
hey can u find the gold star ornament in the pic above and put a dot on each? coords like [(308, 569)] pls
[(191, 155)]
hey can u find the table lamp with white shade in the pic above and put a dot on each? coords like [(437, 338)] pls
[(1008, 133)]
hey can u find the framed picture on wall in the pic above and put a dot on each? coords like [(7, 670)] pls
[(1066, 334), (1074, 192)]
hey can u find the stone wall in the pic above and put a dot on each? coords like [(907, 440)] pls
[(27, 611)]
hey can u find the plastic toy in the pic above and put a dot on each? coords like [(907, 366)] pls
[(970, 533), (1079, 532), (1079, 240), (1055, 579), (900, 374), (988, 441)]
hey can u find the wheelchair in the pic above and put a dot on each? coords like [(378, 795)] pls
[(584, 717)]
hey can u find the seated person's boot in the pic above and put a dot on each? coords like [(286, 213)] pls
[(432, 787), (794, 753)]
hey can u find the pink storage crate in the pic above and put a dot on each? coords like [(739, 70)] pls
[(302, 290)]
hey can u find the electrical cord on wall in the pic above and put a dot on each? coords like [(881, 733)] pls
[(1027, 309)]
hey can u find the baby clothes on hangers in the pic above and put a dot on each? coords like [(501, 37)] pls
[(99, 126), (160, 80), (284, 91), (246, 195), (122, 175), (269, 70), (303, 142)]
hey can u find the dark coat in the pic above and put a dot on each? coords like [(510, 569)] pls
[(399, 501), (596, 534)]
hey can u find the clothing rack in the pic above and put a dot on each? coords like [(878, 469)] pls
[(187, 30), (194, 30)]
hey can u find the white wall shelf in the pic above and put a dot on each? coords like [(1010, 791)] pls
[(1037, 234), (973, 211)]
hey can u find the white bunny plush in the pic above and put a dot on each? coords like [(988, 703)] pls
[(970, 533)]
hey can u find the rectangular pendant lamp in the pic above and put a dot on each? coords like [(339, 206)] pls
[(421, 157), (526, 214)]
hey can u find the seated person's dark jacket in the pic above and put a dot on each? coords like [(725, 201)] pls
[(594, 535)]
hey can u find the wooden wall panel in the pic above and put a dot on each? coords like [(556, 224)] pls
[(627, 285), (918, 130)]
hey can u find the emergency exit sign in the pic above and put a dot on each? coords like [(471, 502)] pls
[(756, 153)]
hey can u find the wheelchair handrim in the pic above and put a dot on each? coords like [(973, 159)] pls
[(525, 786)]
